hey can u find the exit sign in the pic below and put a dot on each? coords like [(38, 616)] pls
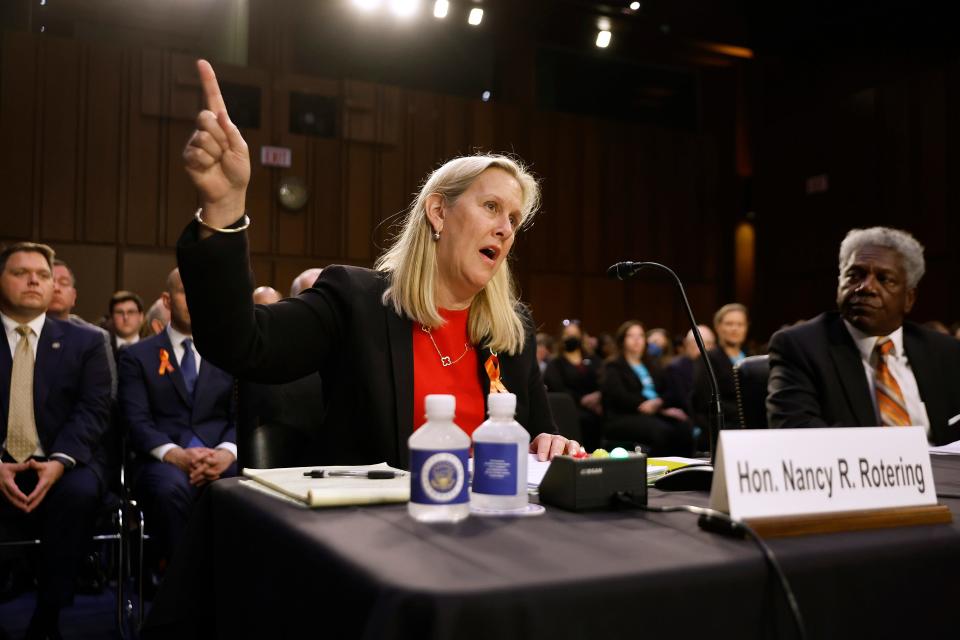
[(276, 157)]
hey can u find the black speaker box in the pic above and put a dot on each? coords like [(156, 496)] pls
[(593, 483)]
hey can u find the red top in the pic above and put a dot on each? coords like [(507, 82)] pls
[(458, 379)]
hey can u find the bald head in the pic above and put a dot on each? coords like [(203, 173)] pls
[(690, 343), (265, 295), (175, 300), (304, 281)]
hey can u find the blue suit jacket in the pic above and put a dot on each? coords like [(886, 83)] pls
[(71, 391), (156, 407)]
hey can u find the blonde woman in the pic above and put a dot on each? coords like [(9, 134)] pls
[(438, 314)]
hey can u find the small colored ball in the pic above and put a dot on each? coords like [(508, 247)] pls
[(600, 453), (619, 452)]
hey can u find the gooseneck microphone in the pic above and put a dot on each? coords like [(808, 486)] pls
[(625, 270)]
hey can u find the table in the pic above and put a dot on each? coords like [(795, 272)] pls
[(258, 567)]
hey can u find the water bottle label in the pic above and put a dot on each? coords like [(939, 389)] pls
[(438, 477), (495, 468)]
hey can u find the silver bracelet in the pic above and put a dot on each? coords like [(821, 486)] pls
[(246, 223)]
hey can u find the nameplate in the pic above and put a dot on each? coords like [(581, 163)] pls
[(784, 472)]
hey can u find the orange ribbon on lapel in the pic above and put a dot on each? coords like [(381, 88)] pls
[(492, 365), (165, 366)]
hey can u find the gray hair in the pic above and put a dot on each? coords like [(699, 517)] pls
[(900, 241)]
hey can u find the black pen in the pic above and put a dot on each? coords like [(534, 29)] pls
[(373, 474)]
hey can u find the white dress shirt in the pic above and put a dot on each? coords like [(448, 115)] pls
[(13, 339), (899, 367), (176, 339), (126, 342)]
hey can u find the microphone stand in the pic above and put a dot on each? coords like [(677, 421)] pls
[(623, 270)]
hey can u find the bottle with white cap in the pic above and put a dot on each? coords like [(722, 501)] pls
[(439, 454), (500, 447)]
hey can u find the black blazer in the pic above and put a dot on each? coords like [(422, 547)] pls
[(340, 327), (71, 392), (817, 377), (622, 390)]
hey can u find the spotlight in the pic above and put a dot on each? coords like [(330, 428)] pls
[(635, 6), (476, 16), (404, 8), (366, 5), (441, 8), (603, 39), (485, 96)]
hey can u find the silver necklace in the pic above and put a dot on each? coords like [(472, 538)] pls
[(444, 360)]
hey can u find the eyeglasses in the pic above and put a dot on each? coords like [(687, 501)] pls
[(122, 313), (569, 321)]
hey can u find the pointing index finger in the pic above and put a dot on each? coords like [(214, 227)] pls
[(211, 89)]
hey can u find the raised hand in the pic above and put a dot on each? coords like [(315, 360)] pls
[(216, 157)]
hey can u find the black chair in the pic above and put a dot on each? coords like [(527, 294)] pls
[(279, 425), (750, 377), (565, 415)]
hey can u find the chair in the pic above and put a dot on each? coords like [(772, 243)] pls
[(565, 415), (750, 378), (110, 528), (278, 425)]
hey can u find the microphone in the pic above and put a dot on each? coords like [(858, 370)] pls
[(624, 270)]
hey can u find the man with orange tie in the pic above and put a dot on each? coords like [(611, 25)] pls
[(865, 366), (54, 408)]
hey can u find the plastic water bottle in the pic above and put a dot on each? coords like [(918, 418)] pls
[(439, 454), (500, 447)]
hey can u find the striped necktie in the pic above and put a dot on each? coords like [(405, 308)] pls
[(21, 424), (892, 408)]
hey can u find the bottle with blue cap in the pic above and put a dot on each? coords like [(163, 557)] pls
[(500, 447), (439, 451)]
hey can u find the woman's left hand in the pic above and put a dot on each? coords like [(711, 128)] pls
[(548, 445)]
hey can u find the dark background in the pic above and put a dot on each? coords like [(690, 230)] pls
[(692, 140)]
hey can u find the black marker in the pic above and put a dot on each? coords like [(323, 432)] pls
[(373, 474)]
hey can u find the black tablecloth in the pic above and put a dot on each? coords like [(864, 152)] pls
[(257, 567)]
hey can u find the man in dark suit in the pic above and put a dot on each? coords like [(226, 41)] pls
[(179, 412), (126, 319), (866, 366), (54, 408)]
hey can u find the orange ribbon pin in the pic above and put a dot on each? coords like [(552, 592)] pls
[(492, 365), (165, 366)]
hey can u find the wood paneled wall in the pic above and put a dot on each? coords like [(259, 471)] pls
[(890, 154), (93, 134)]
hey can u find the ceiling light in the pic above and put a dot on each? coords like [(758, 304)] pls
[(485, 96), (476, 16), (404, 8), (635, 6), (441, 8), (603, 39), (366, 5)]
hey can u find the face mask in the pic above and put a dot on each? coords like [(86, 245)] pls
[(571, 344), (654, 350)]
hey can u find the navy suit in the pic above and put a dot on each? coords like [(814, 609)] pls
[(71, 389), (158, 410)]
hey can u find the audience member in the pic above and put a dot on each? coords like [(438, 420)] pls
[(608, 346), (731, 324), (955, 330), (61, 306), (866, 365), (659, 347), (158, 317), (126, 319), (304, 281), (634, 410), (266, 295), (545, 348), (180, 418), (57, 406), (574, 373), (678, 375)]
